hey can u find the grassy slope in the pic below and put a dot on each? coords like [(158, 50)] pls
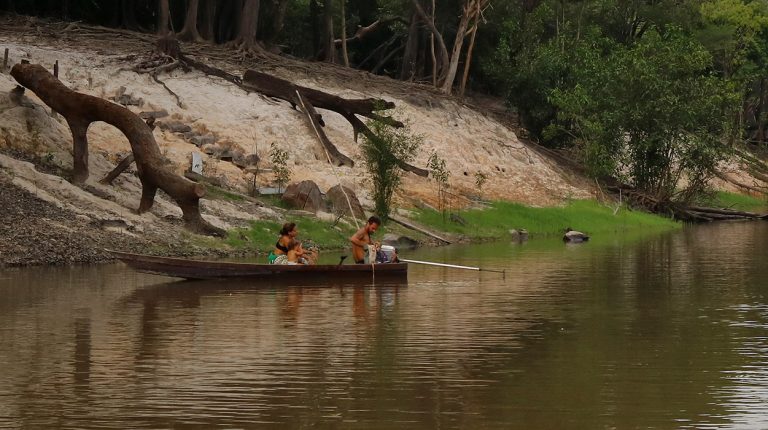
[(583, 215), (724, 199), (262, 235)]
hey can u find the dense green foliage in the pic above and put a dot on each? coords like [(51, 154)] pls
[(654, 94), (279, 158), (384, 152), (650, 113), (583, 215)]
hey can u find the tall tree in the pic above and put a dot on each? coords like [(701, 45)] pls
[(272, 21), (163, 17), (408, 66), (328, 46), (478, 13), (249, 20), (344, 53), (471, 10), (228, 20), (189, 32), (208, 20), (442, 55)]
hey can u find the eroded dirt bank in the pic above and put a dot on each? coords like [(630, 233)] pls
[(212, 117)]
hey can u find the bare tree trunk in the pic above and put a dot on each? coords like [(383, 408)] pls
[(432, 47), (208, 21), (314, 19), (278, 21), (189, 33), (344, 53), (249, 21), (163, 17), (228, 22), (408, 68), (468, 59), (329, 48), (453, 67), (443, 68), (80, 110)]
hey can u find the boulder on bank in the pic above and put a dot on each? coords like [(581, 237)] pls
[(399, 241), (337, 202), (304, 195)]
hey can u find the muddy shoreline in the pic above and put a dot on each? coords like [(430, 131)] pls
[(34, 232)]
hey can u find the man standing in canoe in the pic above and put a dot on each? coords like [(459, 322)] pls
[(362, 239)]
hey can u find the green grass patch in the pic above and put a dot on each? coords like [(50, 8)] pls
[(261, 235), (736, 201), (583, 215), (214, 192)]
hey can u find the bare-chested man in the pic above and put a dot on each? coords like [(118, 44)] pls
[(363, 238)]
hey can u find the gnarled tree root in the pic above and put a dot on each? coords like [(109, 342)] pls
[(80, 110)]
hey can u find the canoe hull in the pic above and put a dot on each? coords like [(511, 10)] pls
[(198, 269)]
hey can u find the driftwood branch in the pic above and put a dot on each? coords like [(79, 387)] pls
[(80, 110), (363, 32), (348, 108), (125, 162)]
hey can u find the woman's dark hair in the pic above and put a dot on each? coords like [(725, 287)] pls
[(374, 220), (287, 228)]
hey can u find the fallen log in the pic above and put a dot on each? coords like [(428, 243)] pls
[(348, 108), (741, 214), (126, 162), (80, 110), (121, 166), (714, 216), (422, 230)]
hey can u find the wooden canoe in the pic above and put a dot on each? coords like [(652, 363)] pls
[(200, 269)]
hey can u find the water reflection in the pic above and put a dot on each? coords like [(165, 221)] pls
[(667, 331)]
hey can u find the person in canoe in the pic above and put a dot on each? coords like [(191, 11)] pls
[(287, 234), (291, 255), (361, 240)]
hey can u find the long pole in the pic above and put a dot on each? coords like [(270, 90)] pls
[(454, 266)]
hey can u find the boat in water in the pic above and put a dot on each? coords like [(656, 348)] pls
[(202, 269)]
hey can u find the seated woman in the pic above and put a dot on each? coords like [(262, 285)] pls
[(287, 234), (292, 254)]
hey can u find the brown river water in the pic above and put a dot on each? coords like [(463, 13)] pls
[(658, 331)]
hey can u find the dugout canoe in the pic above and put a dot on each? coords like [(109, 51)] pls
[(200, 269)]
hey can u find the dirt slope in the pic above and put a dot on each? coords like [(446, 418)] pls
[(96, 61)]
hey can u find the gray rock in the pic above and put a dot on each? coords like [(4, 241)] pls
[(174, 126), (337, 203), (252, 160), (519, 235), (399, 242), (126, 99), (199, 140), (153, 114), (304, 195), (211, 150), (239, 161)]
